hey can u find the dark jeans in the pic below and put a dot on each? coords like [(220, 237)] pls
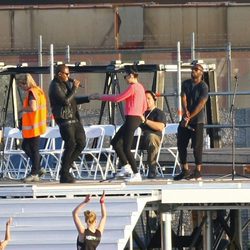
[(75, 140), (183, 137), (123, 140), (31, 147)]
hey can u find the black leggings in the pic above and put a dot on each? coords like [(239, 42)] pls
[(184, 135), (123, 140), (31, 147)]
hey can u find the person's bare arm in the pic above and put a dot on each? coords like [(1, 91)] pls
[(198, 108), (78, 222), (158, 126), (7, 238), (104, 214)]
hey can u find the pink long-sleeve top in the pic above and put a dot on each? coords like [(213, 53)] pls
[(134, 97)]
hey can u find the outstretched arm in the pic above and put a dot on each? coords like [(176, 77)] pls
[(7, 238), (78, 222), (104, 214)]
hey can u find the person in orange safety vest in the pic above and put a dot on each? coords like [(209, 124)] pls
[(34, 122)]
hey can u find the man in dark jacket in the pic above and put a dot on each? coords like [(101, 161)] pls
[(63, 103)]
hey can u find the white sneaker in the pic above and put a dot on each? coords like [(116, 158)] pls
[(125, 171), (134, 178)]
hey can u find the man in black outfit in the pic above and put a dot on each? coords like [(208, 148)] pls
[(194, 95), (154, 121), (63, 102)]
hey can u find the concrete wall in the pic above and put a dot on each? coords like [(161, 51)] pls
[(74, 27), (154, 26)]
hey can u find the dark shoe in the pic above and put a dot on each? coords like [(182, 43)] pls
[(151, 173), (183, 175), (72, 165), (67, 179), (196, 175)]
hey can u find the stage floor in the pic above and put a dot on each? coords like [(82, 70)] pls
[(212, 189)]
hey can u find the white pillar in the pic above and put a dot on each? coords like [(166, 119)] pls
[(131, 241), (166, 233)]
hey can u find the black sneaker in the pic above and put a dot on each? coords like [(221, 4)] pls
[(67, 179), (183, 175), (151, 173), (196, 175)]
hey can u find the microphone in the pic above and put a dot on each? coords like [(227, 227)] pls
[(73, 80), (190, 128), (184, 124)]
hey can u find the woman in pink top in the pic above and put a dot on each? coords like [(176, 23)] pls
[(135, 106)]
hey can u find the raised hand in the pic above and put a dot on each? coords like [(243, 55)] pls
[(102, 199), (9, 221), (87, 199)]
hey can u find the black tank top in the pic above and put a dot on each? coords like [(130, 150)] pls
[(91, 240)]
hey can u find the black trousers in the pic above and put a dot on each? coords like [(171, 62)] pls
[(31, 147), (123, 140), (75, 140), (196, 136)]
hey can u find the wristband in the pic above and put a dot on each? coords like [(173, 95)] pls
[(101, 201)]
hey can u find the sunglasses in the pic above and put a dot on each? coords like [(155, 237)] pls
[(65, 73), (197, 69)]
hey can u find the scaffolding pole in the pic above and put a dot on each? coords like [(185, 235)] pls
[(193, 47), (40, 59), (179, 79)]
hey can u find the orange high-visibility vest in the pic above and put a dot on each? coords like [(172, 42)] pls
[(35, 123)]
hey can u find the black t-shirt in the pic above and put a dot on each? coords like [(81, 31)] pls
[(195, 93), (156, 115), (91, 240)]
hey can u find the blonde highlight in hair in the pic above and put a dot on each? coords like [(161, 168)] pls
[(26, 79), (90, 217)]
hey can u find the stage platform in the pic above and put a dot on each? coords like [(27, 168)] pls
[(51, 201), (167, 190), (126, 202)]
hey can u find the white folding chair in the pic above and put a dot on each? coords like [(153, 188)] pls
[(52, 151), (91, 154), (108, 153), (16, 161), (4, 135), (170, 129)]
